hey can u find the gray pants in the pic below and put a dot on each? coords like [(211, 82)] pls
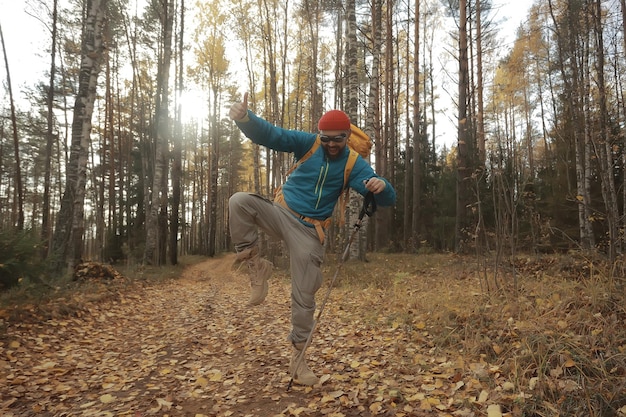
[(248, 211)]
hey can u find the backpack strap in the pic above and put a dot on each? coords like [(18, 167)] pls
[(306, 156), (345, 193), (349, 165)]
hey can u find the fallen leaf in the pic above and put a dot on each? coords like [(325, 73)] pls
[(508, 386), (324, 378), (494, 411), (164, 403), (107, 398), (375, 407), (569, 363), (336, 394), (482, 398)]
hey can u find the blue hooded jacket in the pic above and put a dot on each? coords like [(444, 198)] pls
[(313, 188)]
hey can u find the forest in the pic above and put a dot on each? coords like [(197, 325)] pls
[(494, 287), (103, 161)]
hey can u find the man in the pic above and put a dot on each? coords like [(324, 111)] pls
[(300, 215)]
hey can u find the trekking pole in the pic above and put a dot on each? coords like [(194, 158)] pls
[(369, 208)]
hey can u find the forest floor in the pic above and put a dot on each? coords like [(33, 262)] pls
[(400, 336)]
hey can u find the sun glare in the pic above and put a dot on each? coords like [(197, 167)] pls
[(194, 106)]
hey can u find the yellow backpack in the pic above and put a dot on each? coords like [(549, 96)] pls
[(360, 142)]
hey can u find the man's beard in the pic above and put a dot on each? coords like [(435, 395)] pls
[(333, 157)]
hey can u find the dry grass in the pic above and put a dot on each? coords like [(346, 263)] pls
[(559, 337)]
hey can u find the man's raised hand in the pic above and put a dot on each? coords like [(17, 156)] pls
[(239, 110)]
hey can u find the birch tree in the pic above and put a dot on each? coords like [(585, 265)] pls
[(158, 201), (178, 148), (351, 108), (67, 245)]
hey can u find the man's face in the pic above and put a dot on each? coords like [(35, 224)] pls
[(334, 142)]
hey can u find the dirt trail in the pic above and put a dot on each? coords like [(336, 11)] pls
[(191, 347)]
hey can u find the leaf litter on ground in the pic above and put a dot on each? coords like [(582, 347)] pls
[(405, 336)]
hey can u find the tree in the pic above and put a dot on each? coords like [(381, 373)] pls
[(178, 148), (464, 160), (67, 242), (568, 35), (604, 146), (416, 171), (211, 69), (45, 223), (16, 144), (480, 137), (155, 235)]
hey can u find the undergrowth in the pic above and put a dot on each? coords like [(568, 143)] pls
[(47, 298)]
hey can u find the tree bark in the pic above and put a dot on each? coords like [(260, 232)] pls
[(351, 87), (479, 86), (178, 149), (50, 137), (16, 145), (604, 146), (154, 232), (463, 149), (67, 245), (416, 221)]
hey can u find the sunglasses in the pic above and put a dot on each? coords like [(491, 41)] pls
[(336, 139)]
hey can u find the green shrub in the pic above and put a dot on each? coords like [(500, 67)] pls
[(19, 257)]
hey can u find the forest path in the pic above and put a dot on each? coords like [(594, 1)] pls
[(191, 347)]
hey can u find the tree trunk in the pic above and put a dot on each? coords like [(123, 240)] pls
[(213, 178), (50, 137), (479, 86), (623, 226), (154, 232), (604, 151), (351, 108), (178, 149), (463, 149), (67, 242), (416, 221), (16, 145), (385, 156)]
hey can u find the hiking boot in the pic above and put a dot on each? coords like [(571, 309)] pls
[(303, 375), (260, 270)]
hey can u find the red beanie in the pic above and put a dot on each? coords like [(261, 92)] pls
[(334, 120)]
